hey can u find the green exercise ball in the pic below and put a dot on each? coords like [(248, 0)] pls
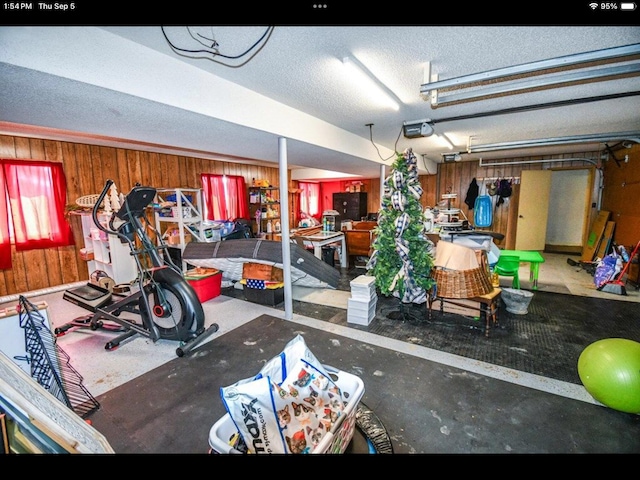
[(610, 371)]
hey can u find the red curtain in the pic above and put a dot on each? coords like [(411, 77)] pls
[(310, 199), (224, 197), (37, 195), (5, 239)]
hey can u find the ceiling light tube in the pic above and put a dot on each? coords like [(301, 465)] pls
[(539, 67), (362, 74), (604, 137), (537, 83)]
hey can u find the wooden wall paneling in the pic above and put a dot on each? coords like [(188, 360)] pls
[(218, 168), (36, 266), (145, 168), (123, 182), (36, 146), (429, 187), (245, 170), (7, 147), (172, 180), (162, 180), (373, 195), (72, 173), (155, 180), (73, 267), (85, 169), (108, 157), (183, 168), (186, 177), (23, 148), (17, 274), (99, 169), (621, 191), (188, 170), (134, 170)]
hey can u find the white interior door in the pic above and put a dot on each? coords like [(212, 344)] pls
[(533, 209)]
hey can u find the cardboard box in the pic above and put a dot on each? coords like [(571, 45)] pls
[(264, 296), (173, 237), (207, 286), (261, 271)]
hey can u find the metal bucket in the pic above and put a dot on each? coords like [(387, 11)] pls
[(517, 301)]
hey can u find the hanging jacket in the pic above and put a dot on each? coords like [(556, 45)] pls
[(472, 194), (504, 191)]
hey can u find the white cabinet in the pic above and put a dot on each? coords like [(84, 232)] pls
[(182, 222), (106, 252)]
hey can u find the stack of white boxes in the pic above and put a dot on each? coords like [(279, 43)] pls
[(361, 308)]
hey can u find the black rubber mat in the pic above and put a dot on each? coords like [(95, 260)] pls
[(422, 406), (547, 341)]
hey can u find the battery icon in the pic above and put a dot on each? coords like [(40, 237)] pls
[(627, 6)]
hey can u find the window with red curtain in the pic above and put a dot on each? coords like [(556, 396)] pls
[(33, 195), (310, 198), (224, 197)]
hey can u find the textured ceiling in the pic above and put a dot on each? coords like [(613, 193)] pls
[(138, 86)]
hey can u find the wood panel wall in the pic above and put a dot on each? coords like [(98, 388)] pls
[(87, 167), (456, 177), (621, 194)]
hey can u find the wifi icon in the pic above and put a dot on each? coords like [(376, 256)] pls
[(593, 5)]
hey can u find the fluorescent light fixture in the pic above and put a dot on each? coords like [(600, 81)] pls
[(373, 87), (577, 139), (488, 84), (445, 140)]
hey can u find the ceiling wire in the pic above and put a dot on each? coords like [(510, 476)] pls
[(212, 51), (199, 38), (370, 125)]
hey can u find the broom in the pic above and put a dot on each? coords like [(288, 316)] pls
[(618, 286)]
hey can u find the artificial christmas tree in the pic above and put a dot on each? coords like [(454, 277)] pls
[(402, 257)]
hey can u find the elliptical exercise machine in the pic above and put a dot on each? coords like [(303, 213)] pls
[(166, 303)]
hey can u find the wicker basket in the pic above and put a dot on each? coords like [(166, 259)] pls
[(88, 201), (462, 283)]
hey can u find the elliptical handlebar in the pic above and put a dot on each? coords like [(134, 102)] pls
[(96, 207)]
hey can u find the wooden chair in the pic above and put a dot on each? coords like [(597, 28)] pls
[(359, 239), (509, 266)]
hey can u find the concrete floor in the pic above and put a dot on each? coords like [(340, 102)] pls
[(104, 371)]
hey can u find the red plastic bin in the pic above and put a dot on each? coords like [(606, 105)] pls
[(205, 286)]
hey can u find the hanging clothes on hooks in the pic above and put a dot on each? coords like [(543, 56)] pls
[(504, 190), (472, 193)]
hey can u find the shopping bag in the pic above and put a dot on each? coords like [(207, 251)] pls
[(288, 406)]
